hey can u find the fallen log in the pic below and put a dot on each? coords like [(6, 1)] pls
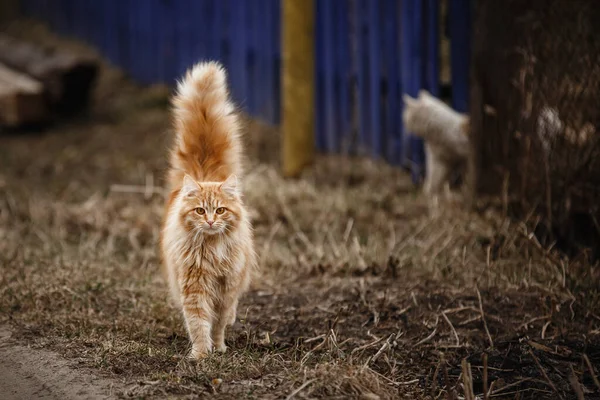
[(21, 99), (68, 78)]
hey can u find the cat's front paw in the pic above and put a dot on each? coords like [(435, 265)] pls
[(199, 352), (221, 348), (231, 319)]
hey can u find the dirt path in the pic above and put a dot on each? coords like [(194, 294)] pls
[(38, 374)]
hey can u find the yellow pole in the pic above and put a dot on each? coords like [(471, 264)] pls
[(298, 85)]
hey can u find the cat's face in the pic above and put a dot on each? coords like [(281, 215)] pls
[(411, 112), (210, 208), (415, 114)]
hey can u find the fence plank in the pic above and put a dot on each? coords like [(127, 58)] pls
[(320, 117), (110, 31), (406, 76), (147, 32), (222, 28), (261, 47), (362, 77), (252, 73), (374, 78), (133, 47), (277, 76), (329, 48), (460, 50), (209, 37), (124, 34), (416, 144), (411, 75), (392, 46), (298, 85), (168, 46), (238, 43), (432, 72), (343, 71), (369, 53), (269, 9)]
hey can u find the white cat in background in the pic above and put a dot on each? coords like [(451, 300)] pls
[(445, 133)]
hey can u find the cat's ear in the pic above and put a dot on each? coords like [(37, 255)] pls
[(423, 94), (409, 101), (190, 186), (230, 186)]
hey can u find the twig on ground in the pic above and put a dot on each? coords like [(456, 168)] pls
[(414, 299), (541, 347), (520, 393), (510, 385), (453, 346), (403, 311), (487, 331), (543, 372), (348, 230), (468, 321), (467, 380), (486, 393), (459, 309), (315, 338), (592, 372), (411, 382), (383, 348), (449, 391), (451, 327), (435, 376), (575, 384), (300, 388), (366, 346), (544, 329), (390, 381), (311, 351), (532, 320), (496, 369), (430, 336)]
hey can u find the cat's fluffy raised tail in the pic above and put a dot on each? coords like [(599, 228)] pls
[(206, 243), (208, 145)]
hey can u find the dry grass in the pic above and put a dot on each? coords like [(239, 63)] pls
[(362, 294)]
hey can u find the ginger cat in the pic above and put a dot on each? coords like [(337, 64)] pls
[(207, 242)]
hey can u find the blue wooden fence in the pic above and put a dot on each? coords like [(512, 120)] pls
[(368, 52), (157, 40)]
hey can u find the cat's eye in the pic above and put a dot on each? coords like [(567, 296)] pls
[(220, 210), (200, 211)]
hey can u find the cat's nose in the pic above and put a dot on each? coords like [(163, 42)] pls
[(210, 223)]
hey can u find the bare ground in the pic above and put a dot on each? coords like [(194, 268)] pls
[(27, 374), (362, 294)]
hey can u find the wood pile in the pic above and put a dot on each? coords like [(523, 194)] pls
[(37, 84)]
